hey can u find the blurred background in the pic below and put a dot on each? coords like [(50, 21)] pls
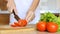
[(50, 5)]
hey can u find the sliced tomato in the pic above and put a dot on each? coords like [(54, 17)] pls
[(13, 25), (22, 22), (16, 23)]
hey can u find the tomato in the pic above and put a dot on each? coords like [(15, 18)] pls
[(16, 23), (13, 25), (41, 26), (22, 22), (52, 27)]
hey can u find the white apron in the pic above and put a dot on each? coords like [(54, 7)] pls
[(22, 7)]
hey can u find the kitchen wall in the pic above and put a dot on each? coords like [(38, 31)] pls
[(50, 5)]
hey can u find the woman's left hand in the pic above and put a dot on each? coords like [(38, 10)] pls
[(30, 16)]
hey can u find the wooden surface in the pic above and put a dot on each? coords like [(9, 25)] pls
[(4, 19), (29, 29), (3, 5)]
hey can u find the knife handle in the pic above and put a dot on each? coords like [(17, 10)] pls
[(15, 16)]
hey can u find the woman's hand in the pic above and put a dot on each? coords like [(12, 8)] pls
[(11, 6), (12, 9), (31, 11), (30, 16)]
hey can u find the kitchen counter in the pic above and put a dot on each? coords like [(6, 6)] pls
[(29, 29)]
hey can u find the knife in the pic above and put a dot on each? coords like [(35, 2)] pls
[(15, 16)]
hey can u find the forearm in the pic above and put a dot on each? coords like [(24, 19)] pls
[(34, 5)]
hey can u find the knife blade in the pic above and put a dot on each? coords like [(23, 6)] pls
[(15, 16)]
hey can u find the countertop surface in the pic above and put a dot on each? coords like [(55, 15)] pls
[(29, 29)]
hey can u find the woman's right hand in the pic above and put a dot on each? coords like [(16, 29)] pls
[(12, 9), (11, 6)]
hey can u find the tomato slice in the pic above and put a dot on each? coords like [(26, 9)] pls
[(22, 22), (16, 23), (13, 25)]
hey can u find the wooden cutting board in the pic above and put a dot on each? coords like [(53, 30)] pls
[(5, 29), (29, 29)]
